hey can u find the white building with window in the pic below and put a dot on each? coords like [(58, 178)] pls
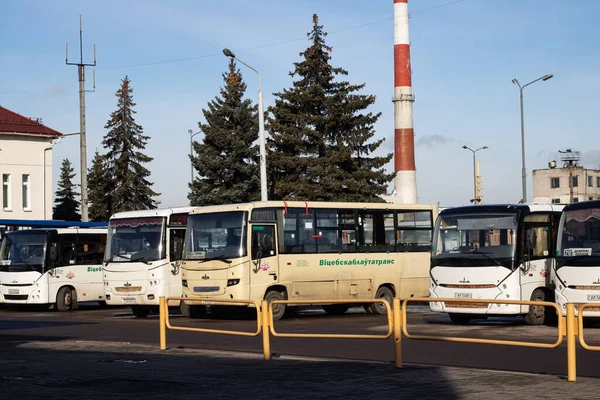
[(25, 166), (570, 184)]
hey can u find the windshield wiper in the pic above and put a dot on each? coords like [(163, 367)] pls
[(142, 260), (31, 267), (125, 256), (496, 262)]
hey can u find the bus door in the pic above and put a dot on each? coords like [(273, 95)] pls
[(538, 257), (176, 243), (264, 264)]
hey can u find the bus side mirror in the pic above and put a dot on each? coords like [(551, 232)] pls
[(531, 238)]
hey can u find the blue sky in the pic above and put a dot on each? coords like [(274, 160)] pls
[(464, 57)]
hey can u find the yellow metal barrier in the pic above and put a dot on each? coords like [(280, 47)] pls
[(165, 323), (331, 335), (486, 341), (580, 324)]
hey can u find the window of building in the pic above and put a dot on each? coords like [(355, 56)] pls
[(575, 181), (6, 191), (598, 181), (575, 199), (554, 183), (555, 201), (591, 198), (26, 193), (590, 181)]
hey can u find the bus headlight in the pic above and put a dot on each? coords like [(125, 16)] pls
[(232, 282)]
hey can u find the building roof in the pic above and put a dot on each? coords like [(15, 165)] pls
[(11, 122)]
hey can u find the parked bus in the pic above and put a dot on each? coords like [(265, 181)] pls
[(58, 266), (142, 259), (502, 252), (578, 257), (307, 251)]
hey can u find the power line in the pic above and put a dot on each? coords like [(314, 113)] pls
[(277, 43)]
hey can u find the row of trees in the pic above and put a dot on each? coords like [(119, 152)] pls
[(320, 146)]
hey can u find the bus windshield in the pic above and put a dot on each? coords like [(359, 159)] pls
[(476, 239), (579, 238), (23, 251), (216, 236), (135, 240)]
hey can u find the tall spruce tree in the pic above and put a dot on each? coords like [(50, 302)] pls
[(66, 206), (99, 190), (227, 160), (320, 146), (124, 141)]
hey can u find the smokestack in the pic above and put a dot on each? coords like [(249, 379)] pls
[(405, 181)]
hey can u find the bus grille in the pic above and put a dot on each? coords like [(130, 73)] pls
[(128, 289), (584, 287), (462, 286), (591, 308), (16, 296), (465, 304)]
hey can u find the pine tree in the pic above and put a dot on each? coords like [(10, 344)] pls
[(124, 159), (227, 160), (320, 145), (99, 190), (66, 206)]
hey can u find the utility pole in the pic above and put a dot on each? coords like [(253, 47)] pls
[(82, 134)]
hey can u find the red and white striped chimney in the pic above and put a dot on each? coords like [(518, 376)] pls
[(405, 181)]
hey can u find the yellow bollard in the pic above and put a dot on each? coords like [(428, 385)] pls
[(397, 314), (571, 332), (162, 309), (264, 310)]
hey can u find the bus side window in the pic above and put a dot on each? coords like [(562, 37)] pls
[(90, 249)]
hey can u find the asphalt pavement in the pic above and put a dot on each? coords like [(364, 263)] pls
[(67, 369)]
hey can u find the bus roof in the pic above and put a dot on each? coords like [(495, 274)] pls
[(41, 223), (583, 205), (60, 231), (309, 205), (486, 208), (157, 212)]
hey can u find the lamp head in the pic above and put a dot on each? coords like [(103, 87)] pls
[(228, 53), (516, 82), (465, 147), (485, 147), (546, 77)]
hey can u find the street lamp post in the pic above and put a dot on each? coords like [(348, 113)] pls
[(261, 131), (192, 153), (523, 170), (475, 199)]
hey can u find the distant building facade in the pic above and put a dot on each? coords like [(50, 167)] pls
[(25, 167), (570, 184)]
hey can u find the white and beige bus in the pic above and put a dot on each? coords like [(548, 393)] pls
[(55, 266), (501, 252), (578, 257), (142, 259), (307, 251)]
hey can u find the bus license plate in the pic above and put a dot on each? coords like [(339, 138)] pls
[(593, 297), (129, 300), (463, 295), (16, 291)]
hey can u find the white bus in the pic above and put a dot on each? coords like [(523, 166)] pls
[(142, 259), (578, 257), (58, 266), (502, 252), (307, 251)]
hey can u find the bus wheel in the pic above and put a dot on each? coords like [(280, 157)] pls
[(140, 311), (64, 299), (536, 314), (460, 319), (383, 293), (336, 309), (278, 309)]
